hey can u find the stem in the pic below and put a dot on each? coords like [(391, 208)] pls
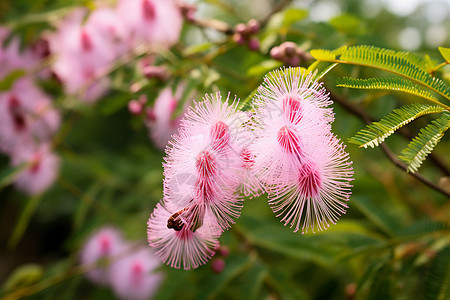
[(24, 220), (438, 67)]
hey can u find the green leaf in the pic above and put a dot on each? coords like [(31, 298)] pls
[(262, 68), (423, 227), (245, 104), (377, 132), (323, 54), (384, 219), (327, 55), (411, 66), (382, 284), (437, 284), (196, 49), (23, 276), (392, 84), (348, 23), (7, 82), (293, 15), (445, 52), (428, 137), (8, 175)]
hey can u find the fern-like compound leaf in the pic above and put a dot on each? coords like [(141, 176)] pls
[(377, 132), (405, 64), (323, 54), (393, 84), (422, 145)]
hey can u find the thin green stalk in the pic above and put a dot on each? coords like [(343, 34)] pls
[(24, 220)]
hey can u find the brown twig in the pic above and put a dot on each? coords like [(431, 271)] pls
[(227, 29)]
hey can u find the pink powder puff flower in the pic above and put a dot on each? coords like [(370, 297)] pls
[(286, 131), (40, 169), (106, 23), (103, 244), (297, 158), (156, 22), (175, 244), (203, 165), (291, 86), (314, 195), (26, 116), (161, 120), (134, 276), (83, 56)]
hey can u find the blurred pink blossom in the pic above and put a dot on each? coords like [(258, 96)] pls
[(40, 168), (26, 116), (102, 245), (156, 22), (161, 120), (84, 53), (134, 277), (11, 56)]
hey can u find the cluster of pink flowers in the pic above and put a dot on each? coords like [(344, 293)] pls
[(86, 46), (129, 270), (28, 118), (283, 147), (83, 48)]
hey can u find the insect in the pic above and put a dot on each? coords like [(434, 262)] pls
[(175, 222)]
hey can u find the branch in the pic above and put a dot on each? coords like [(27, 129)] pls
[(357, 111), (227, 29)]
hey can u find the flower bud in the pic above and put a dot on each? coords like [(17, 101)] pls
[(135, 107), (289, 48), (224, 251), (217, 265), (239, 39), (241, 29), (253, 44), (253, 26), (276, 53)]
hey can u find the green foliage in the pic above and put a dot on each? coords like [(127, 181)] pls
[(7, 81), (23, 276), (411, 66), (417, 80), (323, 54), (437, 285), (422, 145), (377, 132), (349, 24), (392, 84), (293, 15), (445, 52)]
